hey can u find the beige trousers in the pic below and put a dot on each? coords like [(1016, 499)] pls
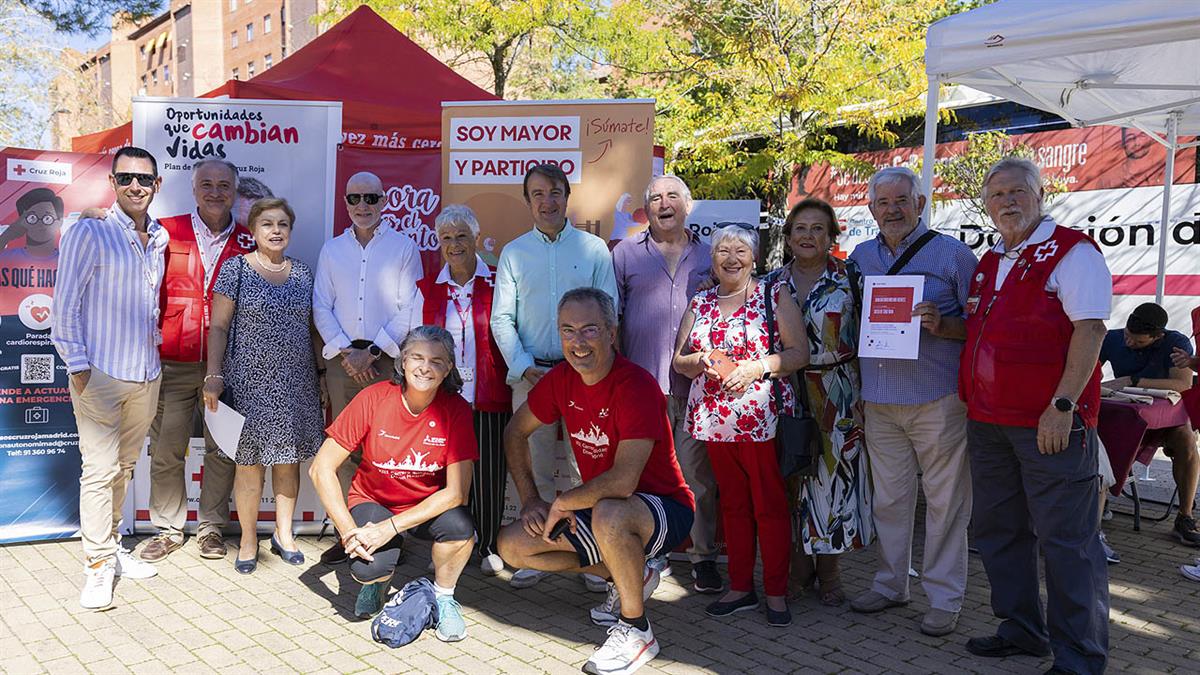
[(342, 390), (932, 438), (179, 398), (543, 449), (113, 417), (697, 471)]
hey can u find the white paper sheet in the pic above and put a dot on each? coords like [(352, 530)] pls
[(225, 426), (889, 330)]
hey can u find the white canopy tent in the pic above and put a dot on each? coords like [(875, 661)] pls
[(1133, 63)]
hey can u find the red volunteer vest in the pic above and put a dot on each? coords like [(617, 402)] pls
[(185, 302), (1018, 337), (491, 393)]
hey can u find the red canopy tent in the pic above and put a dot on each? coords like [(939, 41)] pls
[(391, 92)]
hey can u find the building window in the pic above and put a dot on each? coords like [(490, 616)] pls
[(250, 69), (233, 37), (249, 32), (166, 73), (267, 61), (142, 90), (233, 5), (154, 77), (266, 24), (283, 52), (235, 74), (142, 51)]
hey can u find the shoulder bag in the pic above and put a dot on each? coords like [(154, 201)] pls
[(796, 436)]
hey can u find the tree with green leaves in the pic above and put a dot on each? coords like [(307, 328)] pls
[(963, 173), (90, 16)]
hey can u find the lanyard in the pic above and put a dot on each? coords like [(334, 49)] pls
[(204, 237), (140, 252), (464, 317)]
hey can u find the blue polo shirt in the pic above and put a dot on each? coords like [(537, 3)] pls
[(1153, 362)]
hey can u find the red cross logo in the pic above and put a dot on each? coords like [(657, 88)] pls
[(199, 475), (19, 170)]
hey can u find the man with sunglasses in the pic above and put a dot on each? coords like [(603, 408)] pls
[(533, 273), (201, 241), (105, 328), (365, 285)]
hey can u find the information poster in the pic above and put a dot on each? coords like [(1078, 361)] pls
[(604, 147), (41, 195), (283, 149), (889, 330)]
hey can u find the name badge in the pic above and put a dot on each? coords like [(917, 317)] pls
[(468, 374)]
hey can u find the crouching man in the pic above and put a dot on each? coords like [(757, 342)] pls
[(633, 503)]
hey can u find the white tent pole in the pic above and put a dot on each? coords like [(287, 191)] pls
[(931, 122), (1165, 224)]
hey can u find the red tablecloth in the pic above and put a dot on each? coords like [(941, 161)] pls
[(1122, 426)]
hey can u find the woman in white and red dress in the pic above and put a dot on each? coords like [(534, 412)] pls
[(736, 416), (459, 298), (418, 446)]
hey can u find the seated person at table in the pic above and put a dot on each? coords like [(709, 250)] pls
[(1141, 356), (418, 444), (633, 503)]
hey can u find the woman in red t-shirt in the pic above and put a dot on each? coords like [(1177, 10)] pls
[(418, 443)]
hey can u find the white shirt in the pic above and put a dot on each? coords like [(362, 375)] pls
[(1088, 291), (458, 321), (365, 293), (210, 245)]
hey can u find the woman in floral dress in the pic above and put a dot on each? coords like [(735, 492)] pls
[(736, 416), (832, 507)]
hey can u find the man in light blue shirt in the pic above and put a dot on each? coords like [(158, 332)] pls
[(534, 272), (914, 420)]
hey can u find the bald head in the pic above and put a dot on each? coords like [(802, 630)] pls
[(364, 181), (363, 188)]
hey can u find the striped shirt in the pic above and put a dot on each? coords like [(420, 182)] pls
[(106, 297)]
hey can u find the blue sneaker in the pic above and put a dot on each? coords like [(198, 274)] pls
[(450, 627), (370, 599)]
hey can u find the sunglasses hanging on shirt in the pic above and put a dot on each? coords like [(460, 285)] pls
[(371, 198)]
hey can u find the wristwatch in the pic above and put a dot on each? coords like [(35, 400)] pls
[(1063, 404), (375, 351)]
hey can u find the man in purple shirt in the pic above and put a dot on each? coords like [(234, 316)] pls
[(657, 274)]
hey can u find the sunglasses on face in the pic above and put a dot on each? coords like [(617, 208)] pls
[(368, 197), (743, 226), (144, 179), (34, 219)]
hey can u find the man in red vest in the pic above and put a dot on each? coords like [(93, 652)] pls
[(1031, 382), (200, 242)]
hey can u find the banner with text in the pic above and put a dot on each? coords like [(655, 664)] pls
[(284, 149), (604, 148), (41, 194)]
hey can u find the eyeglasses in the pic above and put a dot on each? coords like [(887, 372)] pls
[(587, 332), (144, 179), (744, 226), (33, 219), (369, 197)]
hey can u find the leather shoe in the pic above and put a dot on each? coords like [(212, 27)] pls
[(289, 557), (245, 566), (994, 646), (874, 601), (746, 602), (212, 546), (159, 547), (939, 622), (779, 618)]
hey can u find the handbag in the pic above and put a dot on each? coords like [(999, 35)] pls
[(796, 436), (227, 393)]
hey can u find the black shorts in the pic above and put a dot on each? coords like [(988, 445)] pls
[(672, 524), (453, 525)]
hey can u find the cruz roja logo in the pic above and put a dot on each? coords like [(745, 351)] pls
[(37, 415)]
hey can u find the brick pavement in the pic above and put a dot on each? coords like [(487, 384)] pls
[(198, 616)]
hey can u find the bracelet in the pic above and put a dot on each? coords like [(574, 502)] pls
[(209, 377), (393, 526)]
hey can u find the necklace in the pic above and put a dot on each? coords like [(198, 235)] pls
[(267, 267), (740, 290)]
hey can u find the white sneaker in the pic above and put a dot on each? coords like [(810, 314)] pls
[(132, 567), (1191, 571), (526, 578), (491, 565), (593, 583), (608, 613), (662, 564), (98, 584), (625, 650)]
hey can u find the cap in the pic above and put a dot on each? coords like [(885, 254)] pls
[(1147, 319)]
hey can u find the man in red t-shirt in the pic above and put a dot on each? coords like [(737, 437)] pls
[(633, 503)]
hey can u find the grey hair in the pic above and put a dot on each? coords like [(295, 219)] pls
[(747, 237), (457, 214), (684, 190), (253, 188), (436, 334), (892, 174), (1028, 170), (590, 294), (216, 160)]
